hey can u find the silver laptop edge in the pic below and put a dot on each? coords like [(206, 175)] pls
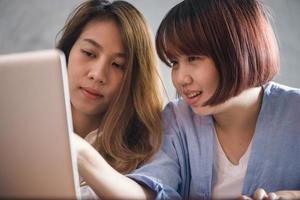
[(70, 124)]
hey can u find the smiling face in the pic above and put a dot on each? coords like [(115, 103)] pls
[(96, 67), (196, 80)]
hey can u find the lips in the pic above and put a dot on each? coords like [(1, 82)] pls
[(193, 94), (192, 97), (91, 93)]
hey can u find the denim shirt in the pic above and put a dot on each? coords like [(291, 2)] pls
[(183, 168)]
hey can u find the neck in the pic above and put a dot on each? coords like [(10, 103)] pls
[(84, 123), (241, 112), (235, 126)]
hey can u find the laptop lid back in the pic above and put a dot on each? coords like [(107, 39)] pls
[(37, 159)]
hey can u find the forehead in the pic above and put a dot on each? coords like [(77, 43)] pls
[(180, 39), (178, 48), (104, 32)]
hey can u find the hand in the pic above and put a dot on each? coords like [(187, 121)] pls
[(85, 152), (80, 143), (288, 194), (106, 182), (261, 194)]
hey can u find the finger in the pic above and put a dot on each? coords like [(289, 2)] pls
[(272, 196), (244, 197), (288, 194), (260, 194)]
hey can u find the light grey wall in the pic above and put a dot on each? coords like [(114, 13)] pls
[(33, 24), (286, 24)]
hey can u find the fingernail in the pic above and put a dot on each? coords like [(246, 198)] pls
[(273, 196)]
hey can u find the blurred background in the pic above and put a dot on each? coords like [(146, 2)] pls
[(34, 24)]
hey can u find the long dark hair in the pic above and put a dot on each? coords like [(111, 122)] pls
[(132, 127)]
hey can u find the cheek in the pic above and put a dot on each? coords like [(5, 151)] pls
[(74, 62), (70, 65), (117, 81), (211, 79), (71, 75), (174, 79), (214, 82), (76, 69)]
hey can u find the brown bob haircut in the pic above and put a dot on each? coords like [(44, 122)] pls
[(235, 34)]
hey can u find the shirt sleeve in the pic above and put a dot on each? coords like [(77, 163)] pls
[(162, 173)]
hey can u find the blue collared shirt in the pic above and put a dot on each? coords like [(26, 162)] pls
[(183, 168)]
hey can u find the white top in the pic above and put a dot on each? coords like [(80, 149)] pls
[(228, 178)]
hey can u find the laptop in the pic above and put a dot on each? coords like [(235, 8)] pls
[(37, 157)]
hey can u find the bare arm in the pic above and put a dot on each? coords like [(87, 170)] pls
[(106, 181)]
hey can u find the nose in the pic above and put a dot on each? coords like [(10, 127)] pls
[(186, 80), (182, 76), (99, 71)]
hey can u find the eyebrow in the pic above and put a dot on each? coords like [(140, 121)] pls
[(99, 46)]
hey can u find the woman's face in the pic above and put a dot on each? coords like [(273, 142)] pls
[(96, 67), (196, 80)]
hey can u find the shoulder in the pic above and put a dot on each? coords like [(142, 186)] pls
[(281, 99), (276, 90), (178, 116), (177, 111), (177, 108)]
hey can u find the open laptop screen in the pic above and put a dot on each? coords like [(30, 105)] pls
[(37, 159)]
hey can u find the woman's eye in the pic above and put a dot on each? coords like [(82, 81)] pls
[(172, 63), (88, 53), (193, 58), (117, 65)]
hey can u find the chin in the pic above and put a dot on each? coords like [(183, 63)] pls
[(202, 111), (88, 109), (94, 111)]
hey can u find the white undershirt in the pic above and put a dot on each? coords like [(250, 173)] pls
[(228, 179)]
